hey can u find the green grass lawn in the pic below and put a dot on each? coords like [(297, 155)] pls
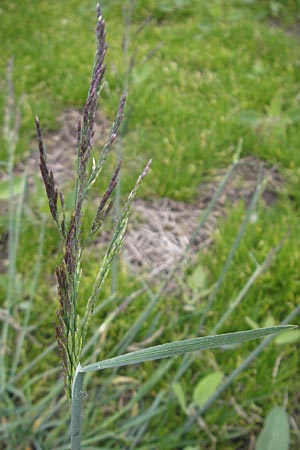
[(205, 75)]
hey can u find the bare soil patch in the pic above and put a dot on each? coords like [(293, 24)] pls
[(159, 229)]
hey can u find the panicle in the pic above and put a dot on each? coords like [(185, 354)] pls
[(70, 330)]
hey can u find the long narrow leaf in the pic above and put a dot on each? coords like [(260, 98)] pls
[(180, 347)]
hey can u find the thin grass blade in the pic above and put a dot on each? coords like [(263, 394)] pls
[(132, 332), (259, 189), (181, 347), (245, 363)]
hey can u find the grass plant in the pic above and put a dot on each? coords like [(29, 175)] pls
[(70, 329), (137, 407)]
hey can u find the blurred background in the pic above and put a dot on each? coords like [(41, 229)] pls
[(210, 84)]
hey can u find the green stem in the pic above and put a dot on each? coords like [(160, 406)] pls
[(76, 409)]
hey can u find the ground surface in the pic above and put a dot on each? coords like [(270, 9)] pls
[(160, 229), (205, 75)]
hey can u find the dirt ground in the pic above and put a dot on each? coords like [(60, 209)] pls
[(160, 229)]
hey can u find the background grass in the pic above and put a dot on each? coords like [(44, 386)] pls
[(205, 74)]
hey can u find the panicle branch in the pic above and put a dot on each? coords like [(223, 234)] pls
[(89, 111), (101, 212), (48, 178), (114, 248), (111, 139)]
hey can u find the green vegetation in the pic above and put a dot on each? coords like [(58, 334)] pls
[(204, 76)]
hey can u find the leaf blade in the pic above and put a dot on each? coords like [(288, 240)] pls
[(275, 434), (206, 387), (180, 347), (180, 395)]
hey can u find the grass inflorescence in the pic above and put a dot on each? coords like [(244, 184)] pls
[(70, 328)]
